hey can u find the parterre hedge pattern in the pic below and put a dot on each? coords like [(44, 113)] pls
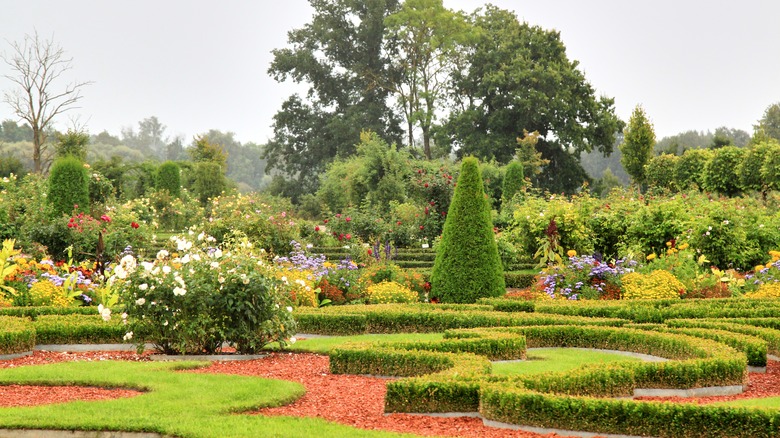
[(708, 343)]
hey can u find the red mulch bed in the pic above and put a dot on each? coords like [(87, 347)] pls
[(352, 400)]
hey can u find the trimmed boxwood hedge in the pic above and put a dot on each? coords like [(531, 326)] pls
[(78, 329), (16, 335), (461, 381)]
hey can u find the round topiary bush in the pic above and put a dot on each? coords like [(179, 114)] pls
[(68, 186), (467, 265), (169, 178)]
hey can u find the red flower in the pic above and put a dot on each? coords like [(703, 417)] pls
[(425, 185), (105, 218), (348, 219), (341, 236), (398, 223), (317, 228), (421, 227), (348, 236), (134, 224), (325, 221), (338, 214), (370, 252)]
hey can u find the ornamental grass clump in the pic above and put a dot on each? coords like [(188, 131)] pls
[(201, 296), (657, 285), (388, 292), (467, 265)]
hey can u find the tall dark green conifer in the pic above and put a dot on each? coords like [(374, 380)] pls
[(467, 265)]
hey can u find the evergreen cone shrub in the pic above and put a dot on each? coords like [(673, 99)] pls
[(513, 181), (467, 265), (69, 186), (169, 178)]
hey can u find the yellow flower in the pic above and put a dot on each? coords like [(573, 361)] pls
[(683, 246), (669, 244), (758, 268), (571, 253), (651, 257)]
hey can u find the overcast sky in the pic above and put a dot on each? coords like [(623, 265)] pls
[(199, 65)]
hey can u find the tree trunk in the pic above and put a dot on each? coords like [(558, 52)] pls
[(36, 155)]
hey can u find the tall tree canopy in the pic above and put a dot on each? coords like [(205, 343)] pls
[(770, 121), (637, 146), (517, 78), (424, 39), (339, 54)]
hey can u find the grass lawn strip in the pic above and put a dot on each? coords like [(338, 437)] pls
[(175, 403)]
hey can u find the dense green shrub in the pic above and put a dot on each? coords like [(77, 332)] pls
[(660, 173), (690, 168), (749, 170), (720, 172), (209, 181), (68, 186), (467, 265), (169, 178), (514, 180), (101, 191), (195, 302)]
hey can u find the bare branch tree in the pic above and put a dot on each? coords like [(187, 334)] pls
[(36, 66)]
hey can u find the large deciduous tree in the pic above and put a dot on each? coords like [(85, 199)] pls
[(637, 146), (36, 67), (770, 121), (339, 54), (424, 39), (518, 77)]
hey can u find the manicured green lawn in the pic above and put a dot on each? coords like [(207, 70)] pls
[(176, 403), (556, 359)]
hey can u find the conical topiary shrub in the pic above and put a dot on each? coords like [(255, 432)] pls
[(68, 186), (467, 265)]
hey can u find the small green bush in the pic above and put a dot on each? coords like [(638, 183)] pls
[(169, 178), (16, 335), (68, 186), (467, 265)]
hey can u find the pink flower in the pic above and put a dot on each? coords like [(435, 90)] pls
[(348, 236), (348, 219), (105, 218)]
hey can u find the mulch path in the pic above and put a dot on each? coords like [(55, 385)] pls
[(352, 400)]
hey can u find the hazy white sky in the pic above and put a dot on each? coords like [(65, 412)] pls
[(199, 65)]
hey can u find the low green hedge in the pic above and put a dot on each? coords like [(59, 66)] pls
[(519, 279), (33, 312), (508, 305), (78, 329), (16, 335), (520, 406), (423, 318), (770, 336)]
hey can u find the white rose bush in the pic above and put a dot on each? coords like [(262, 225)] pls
[(198, 298)]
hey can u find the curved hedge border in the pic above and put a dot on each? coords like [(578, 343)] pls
[(16, 335), (461, 381), (78, 329)]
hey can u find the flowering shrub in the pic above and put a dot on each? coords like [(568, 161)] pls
[(416, 281), (584, 277), (377, 273), (340, 283), (653, 286), (205, 296), (265, 221), (390, 292), (769, 290), (46, 293)]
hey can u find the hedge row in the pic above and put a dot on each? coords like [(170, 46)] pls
[(658, 311), (33, 312), (16, 335), (423, 319), (519, 406), (462, 381), (78, 329), (768, 335)]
